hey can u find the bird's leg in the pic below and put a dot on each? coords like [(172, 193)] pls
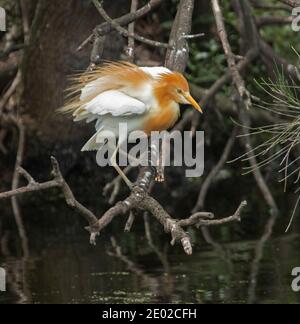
[(113, 162), (160, 170), (160, 162)]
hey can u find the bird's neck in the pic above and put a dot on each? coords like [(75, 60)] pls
[(164, 96)]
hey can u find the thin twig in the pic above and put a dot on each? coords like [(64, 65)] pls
[(291, 3), (10, 91), (26, 23), (237, 79), (15, 185), (249, 32), (3, 133), (214, 172), (161, 255), (113, 188), (124, 32), (270, 6), (193, 36), (130, 221), (57, 182), (106, 27), (131, 31), (191, 116), (246, 141), (273, 20)]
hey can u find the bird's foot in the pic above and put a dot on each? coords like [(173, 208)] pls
[(160, 178)]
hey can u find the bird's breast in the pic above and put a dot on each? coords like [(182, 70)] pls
[(162, 118)]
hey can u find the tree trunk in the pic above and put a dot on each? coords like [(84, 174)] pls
[(51, 57)]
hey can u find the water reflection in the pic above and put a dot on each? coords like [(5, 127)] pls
[(258, 257), (16, 272), (140, 267)]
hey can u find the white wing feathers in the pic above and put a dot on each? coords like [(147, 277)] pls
[(111, 102), (156, 71), (90, 89), (115, 103)]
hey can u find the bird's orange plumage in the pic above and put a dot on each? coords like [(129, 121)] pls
[(146, 99), (165, 94), (163, 120), (122, 76)]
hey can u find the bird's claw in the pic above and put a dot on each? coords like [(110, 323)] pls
[(160, 178)]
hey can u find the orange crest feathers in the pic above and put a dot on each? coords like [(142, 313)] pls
[(166, 86), (175, 80)]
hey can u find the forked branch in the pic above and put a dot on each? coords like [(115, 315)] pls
[(139, 199)]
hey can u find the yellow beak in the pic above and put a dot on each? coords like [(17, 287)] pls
[(193, 102)]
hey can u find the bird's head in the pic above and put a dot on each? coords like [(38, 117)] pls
[(178, 89)]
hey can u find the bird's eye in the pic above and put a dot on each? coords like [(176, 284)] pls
[(179, 91)]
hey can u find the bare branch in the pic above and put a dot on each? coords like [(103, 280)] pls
[(244, 118), (15, 184), (131, 31), (3, 133), (292, 3), (97, 51), (10, 91), (130, 222), (123, 31), (139, 199), (249, 32), (27, 176), (269, 55), (269, 6), (235, 217), (195, 219), (273, 20), (177, 57), (214, 172), (191, 116), (114, 187), (237, 79), (106, 27), (199, 220), (162, 256), (193, 36), (57, 182), (28, 189), (26, 23)]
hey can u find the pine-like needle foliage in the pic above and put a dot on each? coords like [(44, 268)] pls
[(281, 140)]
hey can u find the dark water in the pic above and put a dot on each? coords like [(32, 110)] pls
[(63, 268)]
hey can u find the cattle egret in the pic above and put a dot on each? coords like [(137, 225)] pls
[(145, 98)]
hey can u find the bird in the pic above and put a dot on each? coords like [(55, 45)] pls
[(145, 98)]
